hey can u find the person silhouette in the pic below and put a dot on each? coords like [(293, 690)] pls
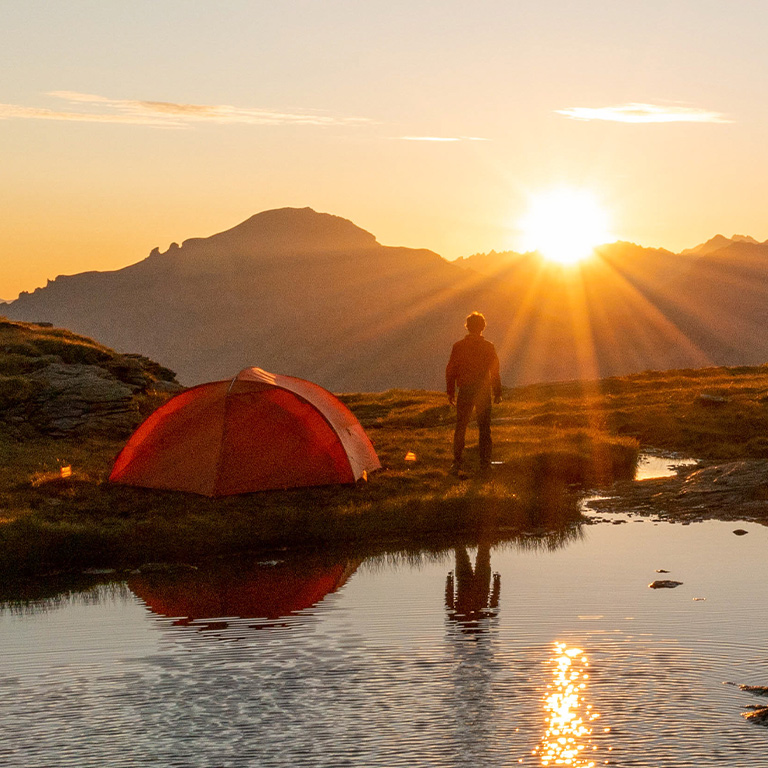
[(472, 594), (473, 367)]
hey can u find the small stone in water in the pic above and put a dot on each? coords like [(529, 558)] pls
[(741, 532), (664, 584), (698, 599), (758, 690), (661, 570)]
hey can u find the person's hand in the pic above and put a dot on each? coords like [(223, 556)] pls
[(497, 399), (452, 399)]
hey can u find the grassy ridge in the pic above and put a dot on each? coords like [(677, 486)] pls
[(716, 414), (549, 437)]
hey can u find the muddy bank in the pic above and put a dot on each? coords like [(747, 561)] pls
[(735, 490)]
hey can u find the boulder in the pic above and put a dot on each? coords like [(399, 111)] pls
[(77, 398)]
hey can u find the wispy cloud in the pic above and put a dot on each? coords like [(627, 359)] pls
[(442, 138), (644, 113), (100, 109)]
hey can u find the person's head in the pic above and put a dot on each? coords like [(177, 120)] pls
[(475, 323)]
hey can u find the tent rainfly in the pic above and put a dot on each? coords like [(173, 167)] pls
[(256, 432)]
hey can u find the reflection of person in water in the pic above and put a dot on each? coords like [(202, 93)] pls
[(472, 594)]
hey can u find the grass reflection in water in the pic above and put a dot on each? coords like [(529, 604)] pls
[(568, 737)]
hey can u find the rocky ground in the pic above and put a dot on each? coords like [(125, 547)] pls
[(757, 714), (736, 490)]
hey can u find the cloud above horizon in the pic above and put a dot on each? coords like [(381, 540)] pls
[(167, 114), (442, 138), (644, 113)]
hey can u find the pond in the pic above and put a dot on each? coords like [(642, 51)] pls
[(539, 651)]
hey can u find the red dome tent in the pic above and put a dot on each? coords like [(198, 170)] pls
[(258, 431)]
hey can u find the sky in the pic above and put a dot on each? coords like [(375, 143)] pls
[(130, 125)]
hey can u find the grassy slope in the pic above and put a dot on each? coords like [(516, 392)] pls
[(548, 436)]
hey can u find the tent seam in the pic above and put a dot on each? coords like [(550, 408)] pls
[(332, 428), (220, 455)]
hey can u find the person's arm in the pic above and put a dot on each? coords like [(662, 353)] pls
[(495, 378), (451, 374)]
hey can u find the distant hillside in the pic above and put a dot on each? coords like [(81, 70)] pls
[(312, 295), (651, 308)]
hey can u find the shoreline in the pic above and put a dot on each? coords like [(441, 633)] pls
[(487, 511), (726, 491)]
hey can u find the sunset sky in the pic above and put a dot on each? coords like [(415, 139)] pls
[(129, 125)]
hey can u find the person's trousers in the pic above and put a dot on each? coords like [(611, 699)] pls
[(478, 400)]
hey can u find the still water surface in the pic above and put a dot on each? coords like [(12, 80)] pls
[(503, 656)]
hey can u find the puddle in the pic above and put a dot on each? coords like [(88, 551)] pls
[(653, 466)]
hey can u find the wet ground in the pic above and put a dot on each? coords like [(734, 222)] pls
[(692, 491)]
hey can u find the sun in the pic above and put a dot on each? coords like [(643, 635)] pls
[(564, 225)]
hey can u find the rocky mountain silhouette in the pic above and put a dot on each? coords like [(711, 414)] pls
[(312, 295), (289, 290), (718, 242)]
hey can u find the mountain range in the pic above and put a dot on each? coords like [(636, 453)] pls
[(309, 294)]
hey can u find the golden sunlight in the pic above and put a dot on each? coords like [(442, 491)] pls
[(564, 225), (567, 739)]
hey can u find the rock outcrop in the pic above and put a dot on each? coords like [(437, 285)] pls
[(736, 490), (56, 383), (73, 398)]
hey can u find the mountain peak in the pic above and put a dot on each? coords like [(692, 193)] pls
[(716, 243), (290, 230)]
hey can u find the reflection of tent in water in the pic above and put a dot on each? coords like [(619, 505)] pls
[(210, 597), (258, 431)]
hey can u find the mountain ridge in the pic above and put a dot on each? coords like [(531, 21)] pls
[(313, 295)]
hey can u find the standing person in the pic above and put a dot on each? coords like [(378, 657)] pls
[(474, 367)]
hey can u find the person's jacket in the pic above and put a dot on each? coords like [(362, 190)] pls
[(473, 362)]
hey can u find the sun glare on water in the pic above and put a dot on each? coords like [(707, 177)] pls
[(569, 717), (564, 225)]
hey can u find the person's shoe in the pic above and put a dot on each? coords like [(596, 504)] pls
[(455, 468), (485, 468)]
